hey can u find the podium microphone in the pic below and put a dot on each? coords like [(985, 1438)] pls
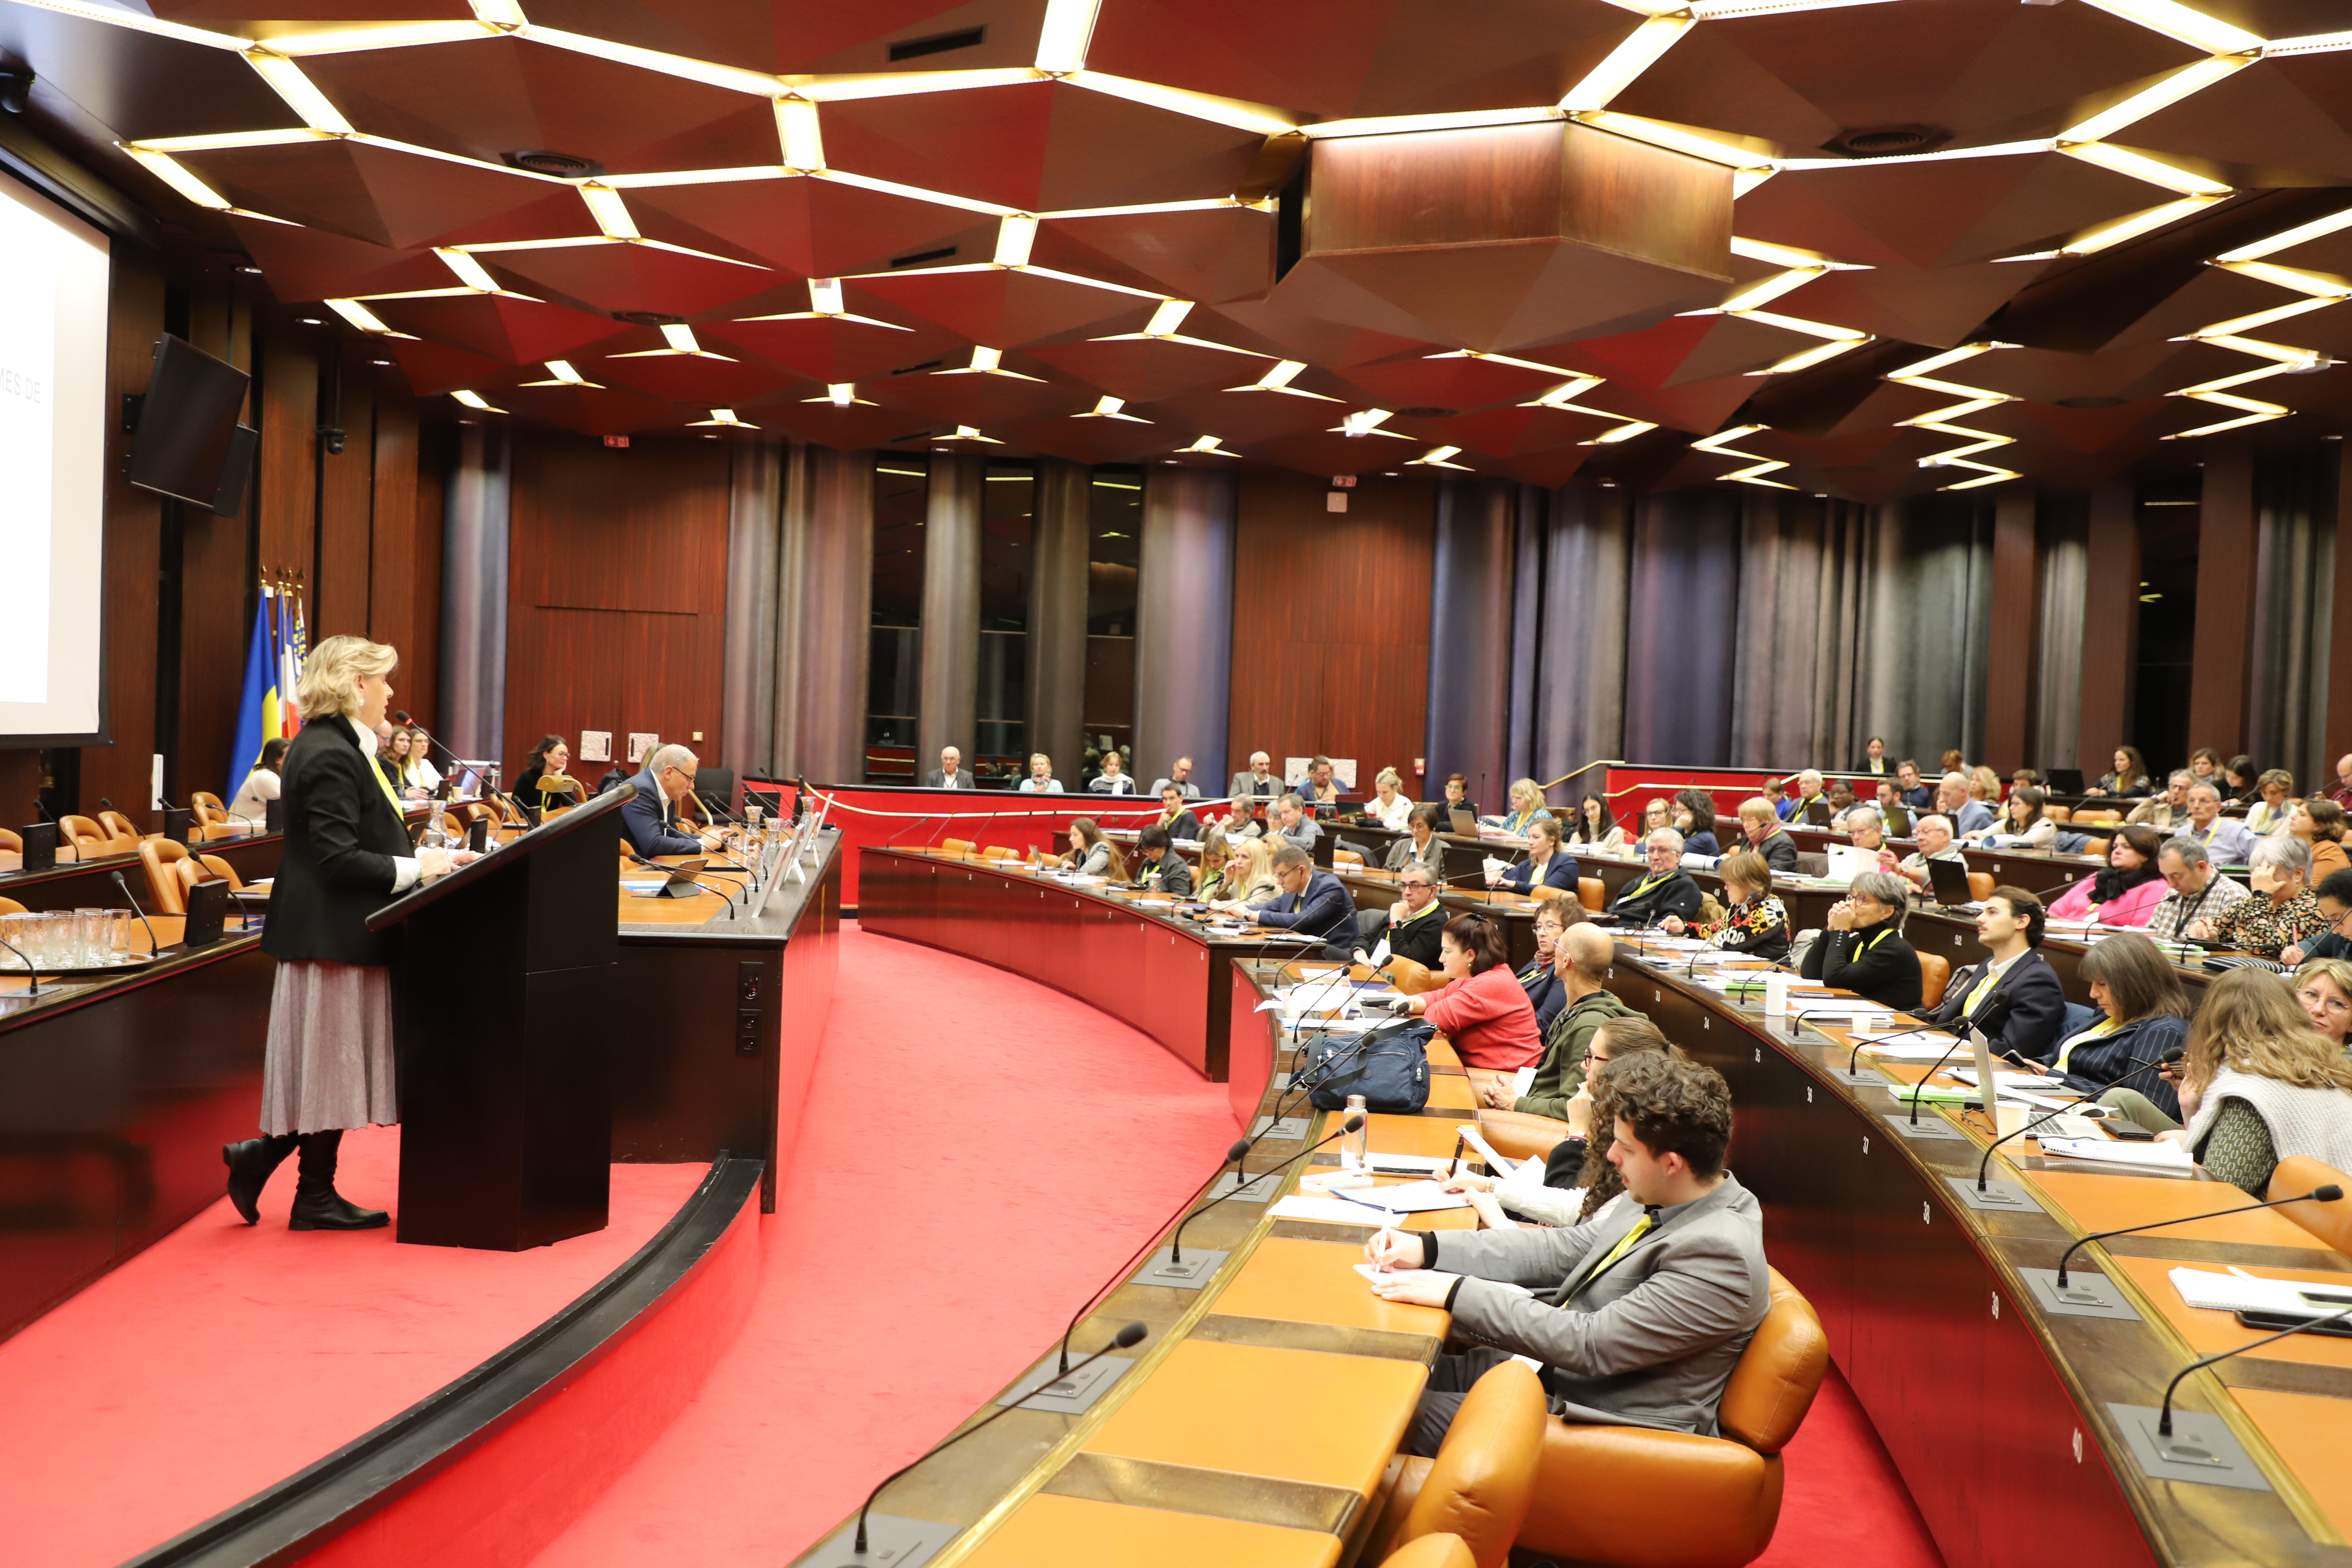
[(2135, 1068), (2164, 1418), (1126, 1338), (152, 945), (2328, 1192), (1176, 1243)]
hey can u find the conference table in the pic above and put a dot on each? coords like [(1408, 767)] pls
[(1996, 1406)]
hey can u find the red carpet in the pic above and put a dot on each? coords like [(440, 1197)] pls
[(1844, 1500), (225, 1358), (979, 1153)]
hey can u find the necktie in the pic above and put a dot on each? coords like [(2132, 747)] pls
[(1984, 989), (1641, 1228)]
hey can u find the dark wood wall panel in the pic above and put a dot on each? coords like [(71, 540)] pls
[(2016, 617), (2226, 540), (617, 596), (339, 605), (1331, 622), (2339, 628), (121, 770), (288, 476), (2110, 627), (421, 657)]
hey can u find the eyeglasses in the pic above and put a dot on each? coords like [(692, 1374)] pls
[(2334, 1006)]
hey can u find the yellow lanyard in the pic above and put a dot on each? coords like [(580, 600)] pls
[(1984, 987), (1872, 939), (2105, 1027), (1624, 1245), (1644, 887), (385, 782)]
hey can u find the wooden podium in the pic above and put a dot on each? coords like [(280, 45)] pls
[(502, 1005)]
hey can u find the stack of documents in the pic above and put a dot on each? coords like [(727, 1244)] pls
[(2238, 1291), (2155, 1156)]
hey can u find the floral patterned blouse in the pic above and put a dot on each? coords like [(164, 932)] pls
[(2258, 925), (1758, 925)]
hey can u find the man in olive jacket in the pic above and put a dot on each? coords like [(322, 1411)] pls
[(1582, 963)]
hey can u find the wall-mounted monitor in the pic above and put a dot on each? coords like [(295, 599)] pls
[(188, 444)]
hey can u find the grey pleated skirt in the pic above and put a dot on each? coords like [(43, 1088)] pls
[(328, 1062)]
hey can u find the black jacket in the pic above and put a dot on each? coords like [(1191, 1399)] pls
[(1547, 992), (1186, 825), (1919, 797), (337, 867), (2118, 1060), (1170, 875), (1417, 938), (1560, 871), (2037, 1014), (1888, 973), (646, 820), (1779, 851), (1675, 895)]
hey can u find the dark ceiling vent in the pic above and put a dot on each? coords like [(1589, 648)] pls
[(938, 44), (647, 317), (912, 368), (1427, 413), (918, 258), (2092, 402), (562, 166), (1887, 140)]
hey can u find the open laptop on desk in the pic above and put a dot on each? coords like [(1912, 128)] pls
[(1817, 814), (1949, 879), (1898, 821), (679, 884), (1465, 822), (2065, 781)]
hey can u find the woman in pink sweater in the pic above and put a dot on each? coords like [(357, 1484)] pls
[(2128, 891), (1482, 1008)]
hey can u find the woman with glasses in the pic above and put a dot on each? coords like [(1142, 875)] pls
[(2323, 987)]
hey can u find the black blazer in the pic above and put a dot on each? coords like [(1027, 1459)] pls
[(1560, 872), (1186, 825), (1170, 876), (647, 817), (1779, 851), (336, 867), (1677, 895), (1888, 974), (2037, 1014)]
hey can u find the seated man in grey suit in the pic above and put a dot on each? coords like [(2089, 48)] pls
[(949, 773), (1639, 1312), (649, 822)]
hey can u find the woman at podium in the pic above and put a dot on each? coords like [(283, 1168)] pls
[(328, 1062)]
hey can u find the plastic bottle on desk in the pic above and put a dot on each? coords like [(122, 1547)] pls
[(1356, 1148)]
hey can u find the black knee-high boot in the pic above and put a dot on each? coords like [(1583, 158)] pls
[(250, 1165), (317, 1205)]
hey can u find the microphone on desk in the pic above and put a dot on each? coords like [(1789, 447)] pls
[(2164, 1418), (1126, 1338), (2137, 1065), (2328, 1192), (1918, 1089), (1354, 1122), (31, 975), (1233, 1156), (1853, 1067), (152, 945)]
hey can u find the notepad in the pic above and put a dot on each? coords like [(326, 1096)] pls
[(2241, 1292), (2156, 1156)]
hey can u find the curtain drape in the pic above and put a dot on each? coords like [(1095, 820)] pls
[(474, 542), (1470, 638), (748, 688), (1528, 527), (1183, 624), (2066, 568), (824, 592), (1798, 599), (2294, 572), (1577, 651), (1681, 617)]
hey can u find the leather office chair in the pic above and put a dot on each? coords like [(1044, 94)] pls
[(1812, 863), (1517, 1136), (1981, 885), (1599, 1488), (83, 837), (1000, 852), (2099, 847), (196, 869), (1592, 893), (1346, 858), (12, 841), (2084, 813), (212, 817), (2331, 1223), (1482, 1480), (1412, 977), (161, 856), (1934, 974), (11, 907), (118, 826), (956, 846), (1444, 1550)]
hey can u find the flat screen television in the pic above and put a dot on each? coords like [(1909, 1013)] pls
[(188, 444)]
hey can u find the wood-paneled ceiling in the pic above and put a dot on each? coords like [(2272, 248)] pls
[(1976, 239)]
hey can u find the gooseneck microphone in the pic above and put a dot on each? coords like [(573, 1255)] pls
[(2327, 1194), (2137, 1065), (1852, 1061), (1126, 1338), (1233, 1156), (154, 947), (31, 975), (2164, 1414), (1354, 1122)]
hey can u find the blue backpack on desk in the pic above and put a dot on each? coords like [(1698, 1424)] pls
[(1388, 1066)]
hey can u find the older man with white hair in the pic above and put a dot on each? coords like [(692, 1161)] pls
[(1966, 814), (1809, 790), (649, 822), (1665, 888)]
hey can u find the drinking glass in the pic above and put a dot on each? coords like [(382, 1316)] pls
[(118, 936), (15, 929), (89, 937)]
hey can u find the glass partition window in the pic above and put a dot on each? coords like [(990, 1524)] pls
[(1114, 553), (895, 642), (1007, 519)]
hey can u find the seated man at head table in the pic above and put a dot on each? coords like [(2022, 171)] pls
[(1665, 888), (1314, 903), (1423, 846), (1179, 822), (649, 821), (1256, 781), (1317, 788), (1957, 806), (1638, 1315), (1181, 775), (1580, 958), (1293, 826), (1766, 835), (2199, 891), (1415, 921), (1932, 834), (1161, 869), (950, 774), (2013, 997)]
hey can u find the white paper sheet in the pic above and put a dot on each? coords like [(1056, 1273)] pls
[(2156, 1156)]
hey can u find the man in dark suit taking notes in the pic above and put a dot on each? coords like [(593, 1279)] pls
[(649, 821)]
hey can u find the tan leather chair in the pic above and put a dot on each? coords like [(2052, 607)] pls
[(11, 840), (118, 827), (1412, 977), (2098, 847), (956, 846), (1981, 885), (1934, 974), (197, 868), (2331, 1223), (11, 907), (1709, 909), (212, 817), (1000, 852), (2058, 813), (83, 837), (160, 856), (1517, 1136), (2084, 813), (1602, 1493), (1592, 893), (1479, 1486), (1444, 1550), (1346, 858)]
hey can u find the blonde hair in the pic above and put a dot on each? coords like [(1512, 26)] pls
[(327, 686), (1388, 777), (1257, 863), (1984, 783), (1524, 795), (2252, 1022)]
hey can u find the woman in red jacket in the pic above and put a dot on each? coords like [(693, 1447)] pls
[(1482, 1008)]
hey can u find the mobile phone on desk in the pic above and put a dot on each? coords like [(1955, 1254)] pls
[(2129, 1131)]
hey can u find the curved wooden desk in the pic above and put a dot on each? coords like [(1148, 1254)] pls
[(1995, 1411)]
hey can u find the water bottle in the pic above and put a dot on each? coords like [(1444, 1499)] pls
[(1356, 1148)]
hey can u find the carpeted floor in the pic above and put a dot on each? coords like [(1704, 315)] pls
[(1843, 1502)]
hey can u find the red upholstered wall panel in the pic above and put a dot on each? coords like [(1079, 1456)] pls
[(617, 592), (1331, 622)]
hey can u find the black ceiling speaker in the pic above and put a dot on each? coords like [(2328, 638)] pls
[(1887, 140), (562, 166)]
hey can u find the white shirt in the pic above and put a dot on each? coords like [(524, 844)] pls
[(421, 770), (404, 871), (260, 787), (1394, 814)]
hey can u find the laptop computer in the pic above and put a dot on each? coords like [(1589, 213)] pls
[(1464, 822), (1818, 813), (1950, 881), (679, 885), (2065, 781), (1898, 821)]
